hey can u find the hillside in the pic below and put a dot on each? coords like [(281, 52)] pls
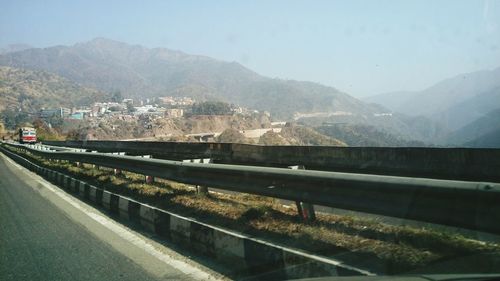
[(31, 90), (364, 135), (301, 135), (398, 126), (138, 71), (470, 109), (293, 134), (484, 132), (117, 128), (488, 140), (393, 100)]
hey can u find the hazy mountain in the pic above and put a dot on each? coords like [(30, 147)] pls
[(488, 140), (141, 72), (31, 90), (14, 48), (485, 131), (455, 101), (470, 109), (398, 126), (392, 100)]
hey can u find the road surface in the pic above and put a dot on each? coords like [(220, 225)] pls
[(45, 234)]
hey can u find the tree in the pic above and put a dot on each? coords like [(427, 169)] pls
[(13, 119), (9, 118), (116, 96), (130, 108), (115, 108), (211, 108), (55, 121)]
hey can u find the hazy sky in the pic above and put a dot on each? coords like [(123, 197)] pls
[(361, 47)]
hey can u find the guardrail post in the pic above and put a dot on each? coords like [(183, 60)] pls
[(148, 179), (305, 210), (93, 165), (202, 190)]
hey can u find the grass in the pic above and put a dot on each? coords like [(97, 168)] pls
[(394, 248)]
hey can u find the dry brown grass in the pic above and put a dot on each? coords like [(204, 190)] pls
[(402, 246)]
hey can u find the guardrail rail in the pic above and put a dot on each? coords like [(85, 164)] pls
[(466, 204), (475, 164)]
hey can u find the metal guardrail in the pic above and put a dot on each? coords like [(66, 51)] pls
[(472, 205), (170, 150), (473, 164)]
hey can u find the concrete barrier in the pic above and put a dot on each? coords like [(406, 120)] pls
[(244, 255), (93, 194), (180, 229), (84, 190), (128, 208), (74, 185), (106, 199)]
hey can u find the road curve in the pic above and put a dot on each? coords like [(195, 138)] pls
[(46, 237)]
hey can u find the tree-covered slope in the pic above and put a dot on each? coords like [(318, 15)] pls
[(141, 72)]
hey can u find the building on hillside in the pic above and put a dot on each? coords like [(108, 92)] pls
[(128, 101), (61, 112), (176, 101), (80, 114), (77, 116), (174, 112)]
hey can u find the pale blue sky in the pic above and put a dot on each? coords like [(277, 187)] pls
[(360, 47)]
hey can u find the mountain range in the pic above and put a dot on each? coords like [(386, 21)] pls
[(463, 105), (137, 71), (454, 102), (98, 67), (483, 132)]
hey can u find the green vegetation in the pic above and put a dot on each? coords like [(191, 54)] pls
[(116, 96), (211, 108), (14, 119), (396, 248)]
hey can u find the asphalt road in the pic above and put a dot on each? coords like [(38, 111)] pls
[(44, 237)]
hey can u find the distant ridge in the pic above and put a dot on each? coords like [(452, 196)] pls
[(455, 102), (137, 71), (14, 48)]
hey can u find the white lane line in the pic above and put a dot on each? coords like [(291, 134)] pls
[(126, 234)]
